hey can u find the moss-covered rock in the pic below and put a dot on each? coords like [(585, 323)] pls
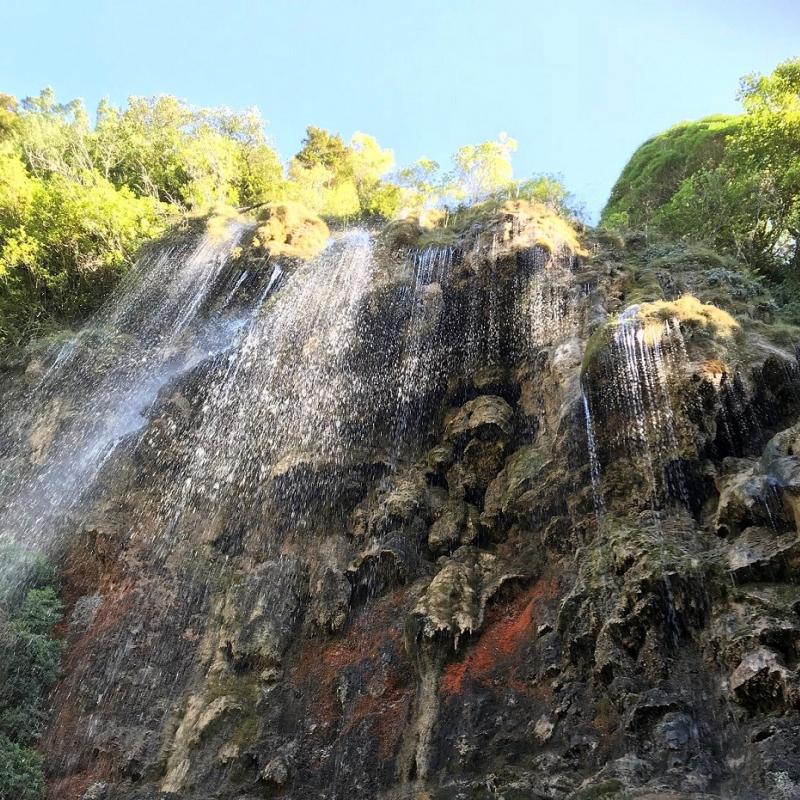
[(493, 229), (290, 230), (689, 311), (455, 601), (456, 524), (487, 417)]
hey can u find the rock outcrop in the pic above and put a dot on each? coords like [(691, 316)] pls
[(524, 524)]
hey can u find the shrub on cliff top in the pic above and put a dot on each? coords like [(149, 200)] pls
[(689, 310), (733, 182), (514, 224), (289, 229)]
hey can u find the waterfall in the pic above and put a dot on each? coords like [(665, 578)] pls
[(643, 357), (228, 406), (102, 381), (431, 269), (594, 460), (285, 392), (547, 312)]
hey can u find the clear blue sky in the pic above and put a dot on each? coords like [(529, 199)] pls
[(578, 84)]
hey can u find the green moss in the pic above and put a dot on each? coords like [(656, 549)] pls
[(657, 168), (689, 311), (246, 732), (640, 285), (607, 788), (218, 220), (782, 334), (291, 230), (522, 470), (244, 688), (530, 223), (595, 345)]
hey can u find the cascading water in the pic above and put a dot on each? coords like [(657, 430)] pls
[(642, 358), (102, 382), (284, 391)]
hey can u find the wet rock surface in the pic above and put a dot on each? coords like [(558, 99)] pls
[(488, 534)]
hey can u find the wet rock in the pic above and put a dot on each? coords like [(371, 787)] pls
[(677, 733), (762, 554), (745, 498), (260, 612), (399, 509), (781, 599), (762, 681), (487, 417), (405, 498), (438, 459), (330, 600), (651, 706), (83, 613), (201, 715), (543, 730), (288, 229), (456, 524), (522, 471), (455, 602), (781, 462), (276, 772), (100, 790), (382, 566), (417, 659)]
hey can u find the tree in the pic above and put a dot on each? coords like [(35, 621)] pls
[(370, 164), (21, 773), (324, 149), (8, 115), (30, 662), (340, 180), (482, 169), (768, 148), (731, 181)]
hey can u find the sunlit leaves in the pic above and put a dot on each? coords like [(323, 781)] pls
[(733, 182)]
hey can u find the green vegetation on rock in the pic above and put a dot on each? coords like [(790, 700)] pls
[(732, 182), (30, 662), (288, 229), (78, 200)]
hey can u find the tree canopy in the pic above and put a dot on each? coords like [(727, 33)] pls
[(78, 199), (733, 182)]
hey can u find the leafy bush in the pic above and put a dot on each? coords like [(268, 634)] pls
[(77, 201), (29, 666), (21, 775), (733, 182)]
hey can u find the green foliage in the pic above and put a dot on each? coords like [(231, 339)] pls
[(78, 200), (29, 664), (193, 158), (733, 182), (21, 775), (656, 169), (30, 660), (29, 569), (481, 173), (482, 170), (338, 180)]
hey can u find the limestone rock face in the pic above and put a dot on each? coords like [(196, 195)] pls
[(507, 516), (456, 599)]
